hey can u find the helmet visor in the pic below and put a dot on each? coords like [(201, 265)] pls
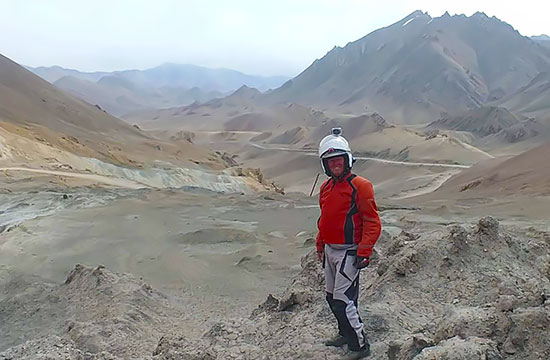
[(332, 153)]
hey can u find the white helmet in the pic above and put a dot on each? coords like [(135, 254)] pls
[(334, 145)]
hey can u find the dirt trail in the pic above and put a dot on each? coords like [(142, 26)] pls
[(433, 183), (394, 162)]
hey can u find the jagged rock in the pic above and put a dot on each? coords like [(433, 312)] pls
[(524, 324), (54, 348), (408, 348), (488, 226), (461, 349), (407, 263), (399, 242), (179, 348), (96, 312), (270, 304), (311, 276), (507, 303), (376, 323), (472, 322), (543, 265), (408, 236), (294, 298), (257, 175), (458, 237), (383, 267), (229, 159)]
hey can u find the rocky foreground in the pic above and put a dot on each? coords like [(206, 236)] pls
[(431, 292)]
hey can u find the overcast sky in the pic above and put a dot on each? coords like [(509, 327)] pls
[(280, 37)]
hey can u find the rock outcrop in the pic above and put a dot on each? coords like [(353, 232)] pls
[(457, 293)]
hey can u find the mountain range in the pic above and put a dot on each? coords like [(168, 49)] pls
[(543, 40), (453, 89), (172, 75), (419, 67), (119, 96), (40, 122), (414, 71), (475, 79), (164, 86)]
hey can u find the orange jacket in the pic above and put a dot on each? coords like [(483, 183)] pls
[(348, 214)]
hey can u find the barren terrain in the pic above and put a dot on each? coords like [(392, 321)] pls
[(188, 232)]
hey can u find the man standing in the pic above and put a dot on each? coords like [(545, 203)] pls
[(349, 227)]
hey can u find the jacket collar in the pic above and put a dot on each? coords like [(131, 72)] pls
[(342, 178)]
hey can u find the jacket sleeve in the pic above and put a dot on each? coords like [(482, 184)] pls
[(368, 212), (319, 242)]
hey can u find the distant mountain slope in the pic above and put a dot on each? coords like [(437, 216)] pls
[(165, 86), (241, 111), (119, 96), (420, 66), (34, 109), (482, 121), (532, 99), (543, 40), (352, 127), (54, 73), (494, 129), (524, 130), (178, 75), (27, 99), (173, 75), (524, 173)]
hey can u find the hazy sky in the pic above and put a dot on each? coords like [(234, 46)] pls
[(265, 37)]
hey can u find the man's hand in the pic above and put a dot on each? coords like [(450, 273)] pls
[(320, 255), (361, 262)]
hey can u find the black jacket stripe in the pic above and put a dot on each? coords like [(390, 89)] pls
[(349, 226), (325, 186)]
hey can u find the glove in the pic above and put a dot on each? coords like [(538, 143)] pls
[(361, 262)]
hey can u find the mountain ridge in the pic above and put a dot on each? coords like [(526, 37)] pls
[(234, 80), (418, 67)]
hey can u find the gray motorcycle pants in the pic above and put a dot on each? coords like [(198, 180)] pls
[(342, 287)]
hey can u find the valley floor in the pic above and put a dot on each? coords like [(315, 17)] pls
[(215, 256), (198, 260)]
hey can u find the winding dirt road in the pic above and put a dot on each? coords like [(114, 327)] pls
[(364, 158)]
